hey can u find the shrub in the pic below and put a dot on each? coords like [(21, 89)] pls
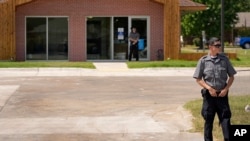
[(196, 41)]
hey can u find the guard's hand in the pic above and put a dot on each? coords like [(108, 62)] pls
[(223, 93), (212, 92)]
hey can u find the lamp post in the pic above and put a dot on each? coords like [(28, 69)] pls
[(222, 24)]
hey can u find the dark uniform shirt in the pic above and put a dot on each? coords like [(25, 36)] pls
[(214, 71), (134, 35)]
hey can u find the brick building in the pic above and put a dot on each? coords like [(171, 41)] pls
[(85, 30)]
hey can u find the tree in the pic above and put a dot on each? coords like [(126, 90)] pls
[(244, 5), (210, 19)]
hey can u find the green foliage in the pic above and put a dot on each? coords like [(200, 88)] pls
[(196, 41), (245, 5), (210, 20), (226, 44), (244, 32)]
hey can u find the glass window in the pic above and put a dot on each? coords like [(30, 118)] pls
[(36, 39), (58, 39), (46, 38), (98, 38)]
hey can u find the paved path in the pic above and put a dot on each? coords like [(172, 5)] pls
[(105, 69), (110, 103)]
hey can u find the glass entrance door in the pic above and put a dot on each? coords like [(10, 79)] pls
[(120, 38), (141, 24), (107, 37)]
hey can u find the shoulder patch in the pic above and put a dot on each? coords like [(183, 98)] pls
[(204, 57), (223, 56)]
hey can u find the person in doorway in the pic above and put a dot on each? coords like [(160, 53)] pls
[(215, 74), (134, 38)]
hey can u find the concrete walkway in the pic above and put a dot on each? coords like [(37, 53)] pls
[(105, 69), (111, 66)]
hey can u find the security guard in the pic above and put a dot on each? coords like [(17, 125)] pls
[(215, 74), (134, 38)]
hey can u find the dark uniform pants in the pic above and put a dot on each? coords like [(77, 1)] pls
[(134, 51), (211, 106)]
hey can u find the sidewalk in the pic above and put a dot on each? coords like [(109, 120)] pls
[(105, 69)]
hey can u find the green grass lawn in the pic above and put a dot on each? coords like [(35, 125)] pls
[(169, 63), (31, 64), (239, 116), (243, 60)]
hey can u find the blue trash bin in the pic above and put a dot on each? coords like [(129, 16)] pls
[(141, 44)]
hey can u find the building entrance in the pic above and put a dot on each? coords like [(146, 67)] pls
[(107, 37)]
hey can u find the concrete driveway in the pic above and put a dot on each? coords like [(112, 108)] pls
[(97, 105)]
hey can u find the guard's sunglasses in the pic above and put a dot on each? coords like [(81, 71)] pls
[(217, 45)]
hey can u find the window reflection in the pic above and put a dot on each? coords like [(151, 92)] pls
[(37, 38)]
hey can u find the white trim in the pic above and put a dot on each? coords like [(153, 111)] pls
[(112, 39), (47, 38)]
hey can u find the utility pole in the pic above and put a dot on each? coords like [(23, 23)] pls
[(222, 24)]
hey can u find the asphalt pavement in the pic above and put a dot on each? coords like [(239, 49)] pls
[(109, 103)]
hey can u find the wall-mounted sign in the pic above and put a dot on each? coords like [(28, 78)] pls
[(120, 33)]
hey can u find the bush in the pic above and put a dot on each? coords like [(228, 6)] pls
[(244, 32), (226, 44), (196, 41)]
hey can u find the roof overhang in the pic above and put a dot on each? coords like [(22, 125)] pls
[(186, 5), (3, 1), (159, 1), (16, 2), (21, 2), (189, 5)]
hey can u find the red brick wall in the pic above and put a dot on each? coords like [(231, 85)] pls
[(77, 10)]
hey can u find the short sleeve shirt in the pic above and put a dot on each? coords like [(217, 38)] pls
[(214, 71), (134, 35)]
